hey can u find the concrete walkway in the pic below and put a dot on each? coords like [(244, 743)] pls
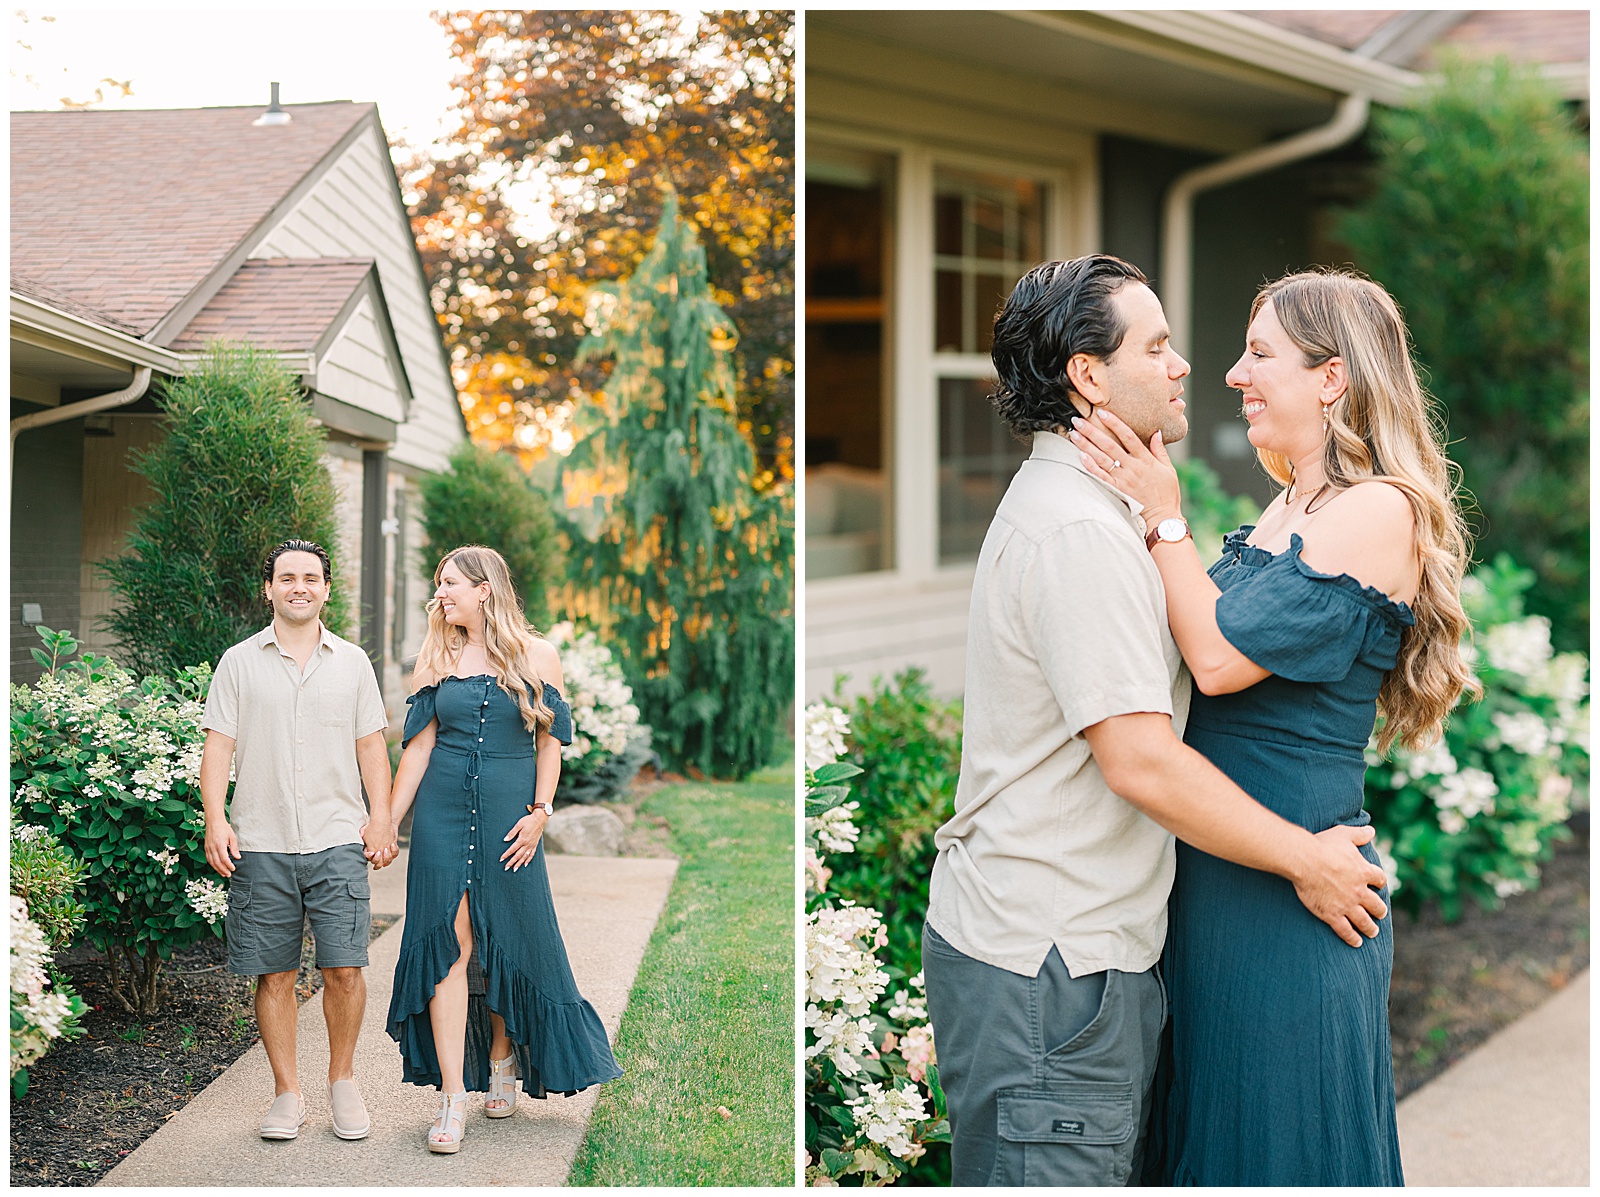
[(1514, 1112), (607, 907)]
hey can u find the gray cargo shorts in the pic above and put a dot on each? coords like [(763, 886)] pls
[(1047, 1079), (270, 896)]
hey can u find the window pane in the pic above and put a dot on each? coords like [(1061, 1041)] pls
[(977, 458), (848, 208), (989, 231)]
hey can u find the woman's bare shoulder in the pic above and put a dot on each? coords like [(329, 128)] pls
[(546, 662), (1368, 532)]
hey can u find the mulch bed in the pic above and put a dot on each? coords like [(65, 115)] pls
[(94, 1099), (1456, 984)]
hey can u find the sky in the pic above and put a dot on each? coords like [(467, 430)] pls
[(397, 57)]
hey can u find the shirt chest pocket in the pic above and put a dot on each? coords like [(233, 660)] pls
[(335, 709)]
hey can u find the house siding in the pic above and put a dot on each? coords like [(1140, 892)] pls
[(352, 212), (356, 368), (112, 497), (46, 533)]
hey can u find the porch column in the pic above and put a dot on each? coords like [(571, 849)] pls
[(374, 508)]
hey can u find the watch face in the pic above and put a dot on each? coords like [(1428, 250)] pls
[(1172, 529)]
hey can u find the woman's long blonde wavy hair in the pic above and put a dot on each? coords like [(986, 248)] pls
[(507, 636), (1383, 428)]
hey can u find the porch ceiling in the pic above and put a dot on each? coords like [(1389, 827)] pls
[(1089, 53)]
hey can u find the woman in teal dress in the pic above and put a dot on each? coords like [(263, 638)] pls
[(1342, 603), (483, 991)]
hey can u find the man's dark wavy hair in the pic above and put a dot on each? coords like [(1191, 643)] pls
[(296, 546), (1055, 310)]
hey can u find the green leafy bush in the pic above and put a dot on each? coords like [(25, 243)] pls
[(689, 575), (111, 768), (1476, 814), (485, 498), (909, 744), (46, 877), (609, 744), (874, 1110), (1211, 511), (1479, 227), (241, 469), (45, 915)]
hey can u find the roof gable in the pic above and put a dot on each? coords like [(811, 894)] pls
[(128, 213)]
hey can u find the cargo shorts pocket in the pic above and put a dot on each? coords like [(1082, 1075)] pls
[(1069, 1134), (240, 925), (361, 904)]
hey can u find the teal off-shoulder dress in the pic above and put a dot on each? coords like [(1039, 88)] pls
[(479, 782), (1280, 1062)]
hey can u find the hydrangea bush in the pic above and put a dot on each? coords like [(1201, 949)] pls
[(873, 1102), (110, 766), (609, 744), (1476, 813), (44, 917)]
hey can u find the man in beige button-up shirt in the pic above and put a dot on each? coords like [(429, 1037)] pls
[(297, 712), (1047, 907)]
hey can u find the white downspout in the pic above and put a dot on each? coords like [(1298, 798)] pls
[(84, 407), (1177, 221)]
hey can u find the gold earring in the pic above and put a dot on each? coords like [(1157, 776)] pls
[(1327, 418)]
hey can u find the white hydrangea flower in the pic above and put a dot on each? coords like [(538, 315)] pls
[(1565, 678), (840, 966), (826, 728), (887, 1116), (206, 898), (1521, 648), (908, 1007), (167, 858), (1461, 796), (1391, 865), (1434, 760), (834, 829), (839, 1037), (1523, 731)]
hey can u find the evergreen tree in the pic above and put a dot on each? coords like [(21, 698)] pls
[(484, 498), (689, 577), (240, 470), (1479, 227)]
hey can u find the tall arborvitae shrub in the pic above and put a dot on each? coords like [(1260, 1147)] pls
[(241, 469), (1479, 227), (690, 576), (485, 498)]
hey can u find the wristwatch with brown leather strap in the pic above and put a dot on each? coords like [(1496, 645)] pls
[(1171, 531)]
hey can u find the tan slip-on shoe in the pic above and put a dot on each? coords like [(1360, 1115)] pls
[(350, 1119), (285, 1118)]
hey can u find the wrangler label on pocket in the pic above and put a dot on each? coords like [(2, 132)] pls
[(1063, 1126)]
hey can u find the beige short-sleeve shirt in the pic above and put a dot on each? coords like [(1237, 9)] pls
[(298, 787), (1068, 626)]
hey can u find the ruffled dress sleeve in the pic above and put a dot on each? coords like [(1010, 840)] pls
[(1306, 626), (561, 725), (419, 713)]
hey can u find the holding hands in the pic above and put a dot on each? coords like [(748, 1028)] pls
[(524, 836), (1113, 453), (380, 845)]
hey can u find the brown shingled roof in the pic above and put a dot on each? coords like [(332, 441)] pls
[(34, 289), (1345, 28), (277, 303), (126, 212), (1524, 35)]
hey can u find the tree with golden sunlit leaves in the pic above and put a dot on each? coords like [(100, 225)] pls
[(690, 576)]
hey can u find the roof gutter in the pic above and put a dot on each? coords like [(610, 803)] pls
[(1177, 222), (84, 407)]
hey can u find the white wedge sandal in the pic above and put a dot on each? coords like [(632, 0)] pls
[(502, 1087), (452, 1111)]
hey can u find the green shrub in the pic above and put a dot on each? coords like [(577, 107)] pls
[(909, 745), (241, 469), (1475, 815), (46, 877), (485, 498), (45, 915), (1211, 511), (1479, 227), (111, 768)]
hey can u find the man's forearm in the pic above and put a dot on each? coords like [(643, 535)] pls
[(374, 763), (1197, 802), (214, 763)]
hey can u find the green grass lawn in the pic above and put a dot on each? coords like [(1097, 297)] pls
[(710, 1022)]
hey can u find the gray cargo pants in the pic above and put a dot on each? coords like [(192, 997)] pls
[(1047, 1079)]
